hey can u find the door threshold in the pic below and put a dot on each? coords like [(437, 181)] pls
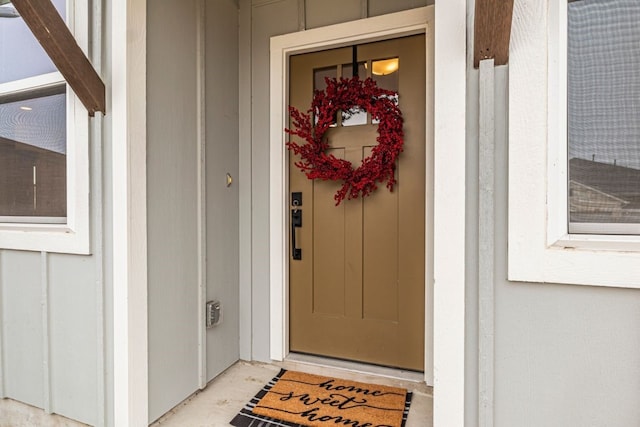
[(298, 359)]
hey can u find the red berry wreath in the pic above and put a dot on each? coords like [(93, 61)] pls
[(347, 95)]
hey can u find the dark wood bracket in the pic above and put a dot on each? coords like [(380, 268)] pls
[(45, 23), (492, 31)]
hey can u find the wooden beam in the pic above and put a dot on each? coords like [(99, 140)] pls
[(492, 31), (56, 39)]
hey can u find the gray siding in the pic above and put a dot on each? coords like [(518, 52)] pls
[(73, 356), (52, 324), (172, 203), (22, 330), (172, 154), (566, 356), (268, 19), (222, 151)]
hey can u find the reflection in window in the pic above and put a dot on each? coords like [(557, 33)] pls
[(319, 83), (603, 113), (33, 155), (21, 55), (320, 74), (356, 116), (386, 75)]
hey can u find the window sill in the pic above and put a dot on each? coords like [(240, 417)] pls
[(45, 237), (597, 242)]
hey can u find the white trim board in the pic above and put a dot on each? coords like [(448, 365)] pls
[(445, 290), (128, 145), (449, 212)]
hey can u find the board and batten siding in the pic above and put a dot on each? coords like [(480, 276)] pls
[(192, 144), (222, 197), (172, 206), (52, 324)]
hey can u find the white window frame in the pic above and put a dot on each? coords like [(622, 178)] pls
[(541, 249), (73, 235)]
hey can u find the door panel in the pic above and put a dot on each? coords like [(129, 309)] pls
[(358, 291)]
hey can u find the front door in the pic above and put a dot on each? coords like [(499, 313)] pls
[(357, 292)]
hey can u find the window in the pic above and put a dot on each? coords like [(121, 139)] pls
[(603, 89), (43, 142), (33, 161), (573, 143)]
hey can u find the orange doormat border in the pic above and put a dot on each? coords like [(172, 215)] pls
[(296, 399)]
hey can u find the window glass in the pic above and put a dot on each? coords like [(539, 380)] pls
[(357, 116), (21, 55), (386, 73), (604, 116), (33, 156), (33, 126), (319, 83)]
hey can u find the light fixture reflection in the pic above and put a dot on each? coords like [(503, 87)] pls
[(385, 66), (26, 108)]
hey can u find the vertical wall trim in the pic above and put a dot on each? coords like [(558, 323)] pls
[(46, 357), (486, 238), (429, 206), (302, 15), (202, 190), (364, 9), (450, 212), (2, 392), (129, 215), (98, 228), (99, 261), (244, 181)]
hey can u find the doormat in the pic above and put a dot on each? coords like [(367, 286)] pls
[(296, 399)]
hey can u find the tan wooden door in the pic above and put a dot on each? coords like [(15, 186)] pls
[(357, 292)]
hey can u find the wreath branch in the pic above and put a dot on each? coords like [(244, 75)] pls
[(348, 95)]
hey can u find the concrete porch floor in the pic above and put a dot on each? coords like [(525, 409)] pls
[(217, 404)]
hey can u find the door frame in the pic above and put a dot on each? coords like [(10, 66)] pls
[(395, 25)]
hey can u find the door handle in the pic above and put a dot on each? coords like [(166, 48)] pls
[(296, 222)]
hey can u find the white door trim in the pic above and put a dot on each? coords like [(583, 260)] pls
[(383, 27), (387, 26), (445, 291)]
